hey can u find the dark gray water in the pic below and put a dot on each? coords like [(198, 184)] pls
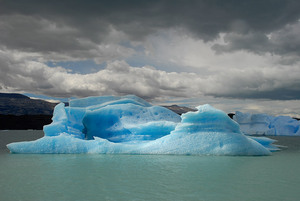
[(147, 177), (9, 136)]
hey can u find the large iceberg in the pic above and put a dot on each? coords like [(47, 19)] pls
[(130, 125), (263, 124)]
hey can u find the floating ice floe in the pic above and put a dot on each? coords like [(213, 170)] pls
[(130, 125), (263, 124)]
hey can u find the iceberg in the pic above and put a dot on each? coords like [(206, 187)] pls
[(130, 125), (263, 124)]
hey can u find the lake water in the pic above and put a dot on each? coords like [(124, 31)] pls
[(147, 177)]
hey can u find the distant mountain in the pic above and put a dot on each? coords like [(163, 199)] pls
[(18, 104), (19, 112), (13, 95), (179, 109)]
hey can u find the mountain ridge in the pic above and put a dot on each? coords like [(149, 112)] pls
[(18, 104)]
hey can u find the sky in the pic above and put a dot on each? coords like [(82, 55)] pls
[(235, 55)]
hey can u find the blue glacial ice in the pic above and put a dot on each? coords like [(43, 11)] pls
[(263, 124), (130, 125)]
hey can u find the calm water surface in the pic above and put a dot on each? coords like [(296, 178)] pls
[(150, 177)]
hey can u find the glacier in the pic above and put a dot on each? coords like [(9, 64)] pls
[(131, 125), (264, 124)]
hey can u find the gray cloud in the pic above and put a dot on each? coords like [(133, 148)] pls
[(75, 20), (285, 42), (277, 84), (57, 41), (255, 42), (36, 31)]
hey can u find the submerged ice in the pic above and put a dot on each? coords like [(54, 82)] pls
[(130, 125)]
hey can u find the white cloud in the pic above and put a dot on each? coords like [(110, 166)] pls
[(241, 73), (20, 72), (118, 78)]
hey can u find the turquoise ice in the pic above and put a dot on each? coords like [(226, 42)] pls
[(130, 125), (263, 124)]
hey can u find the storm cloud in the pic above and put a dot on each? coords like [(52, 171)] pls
[(154, 49), (38, 25)]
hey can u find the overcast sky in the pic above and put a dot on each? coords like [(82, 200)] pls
[(235, 54)]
